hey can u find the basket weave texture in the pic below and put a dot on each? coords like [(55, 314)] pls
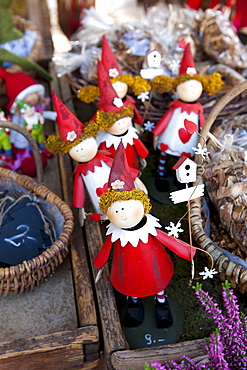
[(235, 273), (25, 276), (34, 55)]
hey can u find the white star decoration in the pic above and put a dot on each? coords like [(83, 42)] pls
[(191, 71), (117, 184), (174, 230), (118, 102), (113, 72), (208, 273), (201, 151), (71, 136), (149, 126), (143, 96)]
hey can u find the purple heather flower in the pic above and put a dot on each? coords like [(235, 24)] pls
[(156, 365), (227, 346)]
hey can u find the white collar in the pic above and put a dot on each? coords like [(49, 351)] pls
[(134, 236), (109, 139)]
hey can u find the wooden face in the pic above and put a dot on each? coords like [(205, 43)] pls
[(84, 151), (126, 213), (120, 126), (189, 91), (121, 89)]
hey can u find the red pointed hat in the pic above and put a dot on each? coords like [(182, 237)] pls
[(70, 127), (187, 65), (120, 178), (109, 60), (18, 86), (109, 100)]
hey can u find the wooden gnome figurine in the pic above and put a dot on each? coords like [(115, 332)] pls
[(93, 166), (114, 120), (140, 265), (113, 70), (177, 131)]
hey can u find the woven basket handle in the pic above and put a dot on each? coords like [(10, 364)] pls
[(31, 141), (230, 95)]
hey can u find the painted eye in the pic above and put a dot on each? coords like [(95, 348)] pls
[(122, 209), (116, 211)]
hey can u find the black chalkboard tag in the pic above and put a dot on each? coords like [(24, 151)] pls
[(22, 238)]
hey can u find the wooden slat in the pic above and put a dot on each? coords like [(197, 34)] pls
[(135, 359), (83, 286), (63, 350)]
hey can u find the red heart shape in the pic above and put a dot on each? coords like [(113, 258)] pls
[(95, 217), (190, 126), (184, 135), (163, 147)]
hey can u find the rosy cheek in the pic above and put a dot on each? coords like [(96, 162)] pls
[(111, 216), (138, 214)]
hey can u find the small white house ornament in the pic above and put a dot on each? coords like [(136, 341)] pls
[(154, 59), (154, 68), (186, 173), (185, 170)]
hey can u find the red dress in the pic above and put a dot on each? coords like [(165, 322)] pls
[(140, 264)]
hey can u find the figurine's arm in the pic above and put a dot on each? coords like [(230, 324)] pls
[(163, 123), (137, 117), (177, 246), (79, 191), (103, 254), (140, 148), (201, 118)]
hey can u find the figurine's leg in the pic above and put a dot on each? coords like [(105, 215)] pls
[(134, 313), (161, 181), (162, 311)]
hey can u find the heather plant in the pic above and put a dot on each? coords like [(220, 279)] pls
[(227, 345)]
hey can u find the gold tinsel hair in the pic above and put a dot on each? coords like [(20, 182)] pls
[(56, 145), (104, 120), (88, 94), (211, 84), (137, 84), (111, 196)]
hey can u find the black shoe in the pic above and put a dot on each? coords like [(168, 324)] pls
[(161, 183), (134, 313), (163, 314)]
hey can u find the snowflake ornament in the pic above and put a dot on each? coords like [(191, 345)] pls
[(71, 136), (143, 96), (208, 273), (174, 230), (117, 184), (149, 126), (201, 151), (174, 67), (118, 102)]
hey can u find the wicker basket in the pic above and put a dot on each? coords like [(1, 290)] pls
[(25, 276), (34, 56), (233, 272)]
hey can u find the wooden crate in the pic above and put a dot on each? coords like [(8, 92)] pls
[(66, 349), (117, 354)]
